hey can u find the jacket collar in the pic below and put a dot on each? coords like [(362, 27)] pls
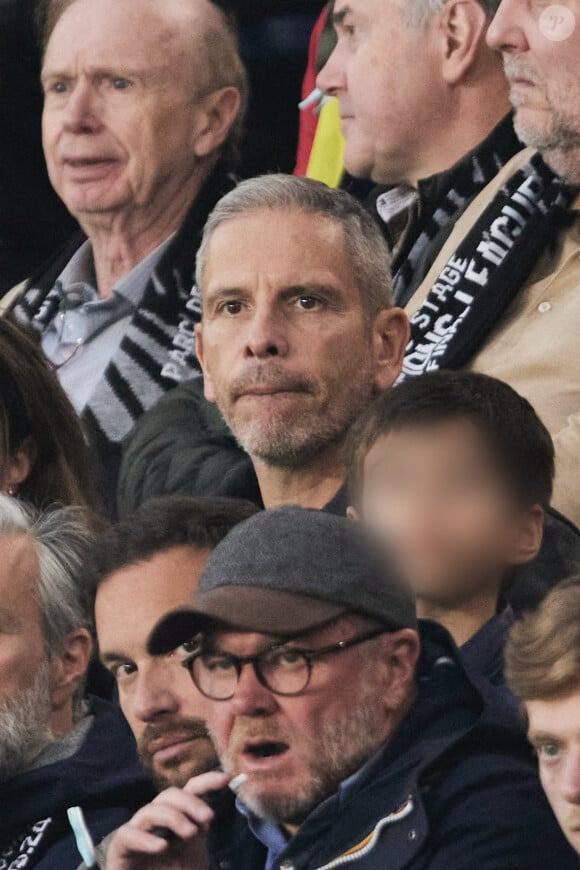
[(388, 788)]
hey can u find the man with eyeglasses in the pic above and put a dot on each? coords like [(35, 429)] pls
[(353, 735)]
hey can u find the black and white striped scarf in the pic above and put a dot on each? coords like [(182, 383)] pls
[(158, 349), (488, 269), (440, 201)]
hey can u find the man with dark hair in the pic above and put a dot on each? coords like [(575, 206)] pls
[(543, 670), (141, 569), (58, 749), (143, 107), (145, 566), (354, 736), (454, 470)]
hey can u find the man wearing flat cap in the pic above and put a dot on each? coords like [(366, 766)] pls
[(352, 736)]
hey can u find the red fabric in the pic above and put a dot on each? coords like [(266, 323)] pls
[(308, 120)]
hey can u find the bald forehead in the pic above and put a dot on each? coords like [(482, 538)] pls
[(132, 26)]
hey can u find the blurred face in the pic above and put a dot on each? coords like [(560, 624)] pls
[(437, 496), (121, 115), (540, 43), (382, 95), (25, 693), (554, 731), (287, 352), (163, 708), (296, 750)]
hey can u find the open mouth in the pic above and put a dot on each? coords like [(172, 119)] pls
[(266, 749)]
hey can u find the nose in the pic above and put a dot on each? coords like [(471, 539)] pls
[(80, 112), (267, 334), (332, 77), (506, 31), (571, 778), (251, 698), (155, 693)]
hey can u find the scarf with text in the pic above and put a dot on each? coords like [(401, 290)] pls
[(158, 349), (486, 272), (442, 199)]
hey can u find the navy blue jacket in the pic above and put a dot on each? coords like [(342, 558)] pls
[(456, 788), (104, 777)]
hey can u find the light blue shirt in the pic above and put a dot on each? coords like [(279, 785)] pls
[(87, 331), (272, 836)]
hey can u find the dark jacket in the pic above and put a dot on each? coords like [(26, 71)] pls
[(103, 777), (456, 788), (482, 654), (183, 447)]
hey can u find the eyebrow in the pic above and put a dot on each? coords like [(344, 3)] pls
[(542, 737), (112, 657), (116, 70), (338, 17)]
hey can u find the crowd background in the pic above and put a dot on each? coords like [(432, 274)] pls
[(223, 373)]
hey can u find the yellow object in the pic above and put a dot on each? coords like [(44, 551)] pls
[(327, 158)]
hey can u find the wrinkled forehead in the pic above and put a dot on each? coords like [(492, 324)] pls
[(144, 33)]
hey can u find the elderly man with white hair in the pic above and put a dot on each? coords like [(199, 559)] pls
[(144, 101)]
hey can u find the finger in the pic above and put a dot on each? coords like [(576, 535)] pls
[(189, 804), (176, 819), (212, 781), (130, 841)]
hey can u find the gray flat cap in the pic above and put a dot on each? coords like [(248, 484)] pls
[(286, 571)]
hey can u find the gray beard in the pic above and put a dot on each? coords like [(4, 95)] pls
[(339, 750), (293, 445), (25, 726)]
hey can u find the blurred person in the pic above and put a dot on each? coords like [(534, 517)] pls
[(44, 458), (500, 297), (57, 749), (543, 670), (143, 106), (146, 566), (362, 739), (454, 471)]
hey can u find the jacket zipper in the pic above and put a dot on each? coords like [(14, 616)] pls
[(397, 816)]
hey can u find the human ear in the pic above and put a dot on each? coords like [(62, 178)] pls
[(391, 332), (400, 656), (68, 669), (219, 112), (19, 466), (528, 540), (462, 25)]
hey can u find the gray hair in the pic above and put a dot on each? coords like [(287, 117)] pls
[(419, 12), (364, 243), (62, 541)]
